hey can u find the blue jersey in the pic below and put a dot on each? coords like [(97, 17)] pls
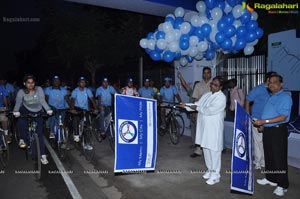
[(105, 94), (168, 93), (82, 97), (3, 93), (56, 97), (278, 104), (146, 92)]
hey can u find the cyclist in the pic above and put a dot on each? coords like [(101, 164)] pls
[(9, 89), (3, 117), (130, 89), (56, 96), (166, 95), (31, 99), (80, 101), (104, 94), (146, 91)]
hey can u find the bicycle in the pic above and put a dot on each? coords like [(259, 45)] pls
[(4, 149), (109, 131), (85, 133), (33, 142), (61, 134), (172, 125)]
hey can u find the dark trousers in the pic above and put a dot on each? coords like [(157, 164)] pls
[(23, 128), (275, 150)]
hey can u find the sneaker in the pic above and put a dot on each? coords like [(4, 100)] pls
[(198, 151), (9, 139), (22, 144), (52, 135), (264, 181), (76, 138), (194, 155), (257, 167), (279, 191), (44, 159), (206, 176), (88, 147), (212, 181)]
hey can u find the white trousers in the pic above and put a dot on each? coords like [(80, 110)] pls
[(258, 148), (213, 162)]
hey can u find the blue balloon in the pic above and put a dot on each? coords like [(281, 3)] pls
[(184, 44), (209, 54), (206, 29), (191, 32), (177, 23), (155, 55), (230, 31), (208, 15), (220, 37), (251, 36), (170, 19), (246, 17), (240, 44), (178, 55), (198, 33), (160, 35), (229, 19), (226, 44), (232, 3), (252, 25), (241, 31), (190, 59), (259, 33), (150, 35), (220, 4), (210, 4), (148, 51), (185, 37), (215, 46), (222, 25), (157, 49), (168, 56)]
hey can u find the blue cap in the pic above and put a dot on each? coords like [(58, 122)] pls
[(129, 80), (104, 79), (168, 79)]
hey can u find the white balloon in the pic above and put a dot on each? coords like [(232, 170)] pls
[(199, 57), (216, 13), (253, 43), (161, 44), (237, 23), (173, 46), (193, 51), (177, 34), (213, 35), (185, 27), (248, 50), (227, 8), (161, 27), (233, 39), (143, 43), (170, 36), (237, 11), (195, 20), (254, 16), (183, 61), (194, 40), (151, 44), (170, 15), (179, 12), (203, 20), (167, 27), (213, 24), (185, 52), (202, 46), (200, 6)]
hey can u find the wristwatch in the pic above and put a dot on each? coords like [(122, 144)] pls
[(267, 121)]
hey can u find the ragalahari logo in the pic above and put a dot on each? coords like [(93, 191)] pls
[(273, 8), (247, 6)]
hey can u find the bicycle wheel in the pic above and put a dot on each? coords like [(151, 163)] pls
[(174, 131), (37, 156), (181, 124), (111, 136), (4, 152), (62, 144), (87, 144)]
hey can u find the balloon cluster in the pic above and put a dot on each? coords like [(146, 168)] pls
[(219, 25)]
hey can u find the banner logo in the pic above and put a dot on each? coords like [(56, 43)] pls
[(240, 145), (128, 132)]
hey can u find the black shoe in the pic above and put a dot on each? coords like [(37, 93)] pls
[(194, 155)]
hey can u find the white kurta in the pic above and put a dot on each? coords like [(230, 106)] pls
[(210, 122)]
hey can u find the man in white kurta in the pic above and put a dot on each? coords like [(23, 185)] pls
[(210, 125)]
